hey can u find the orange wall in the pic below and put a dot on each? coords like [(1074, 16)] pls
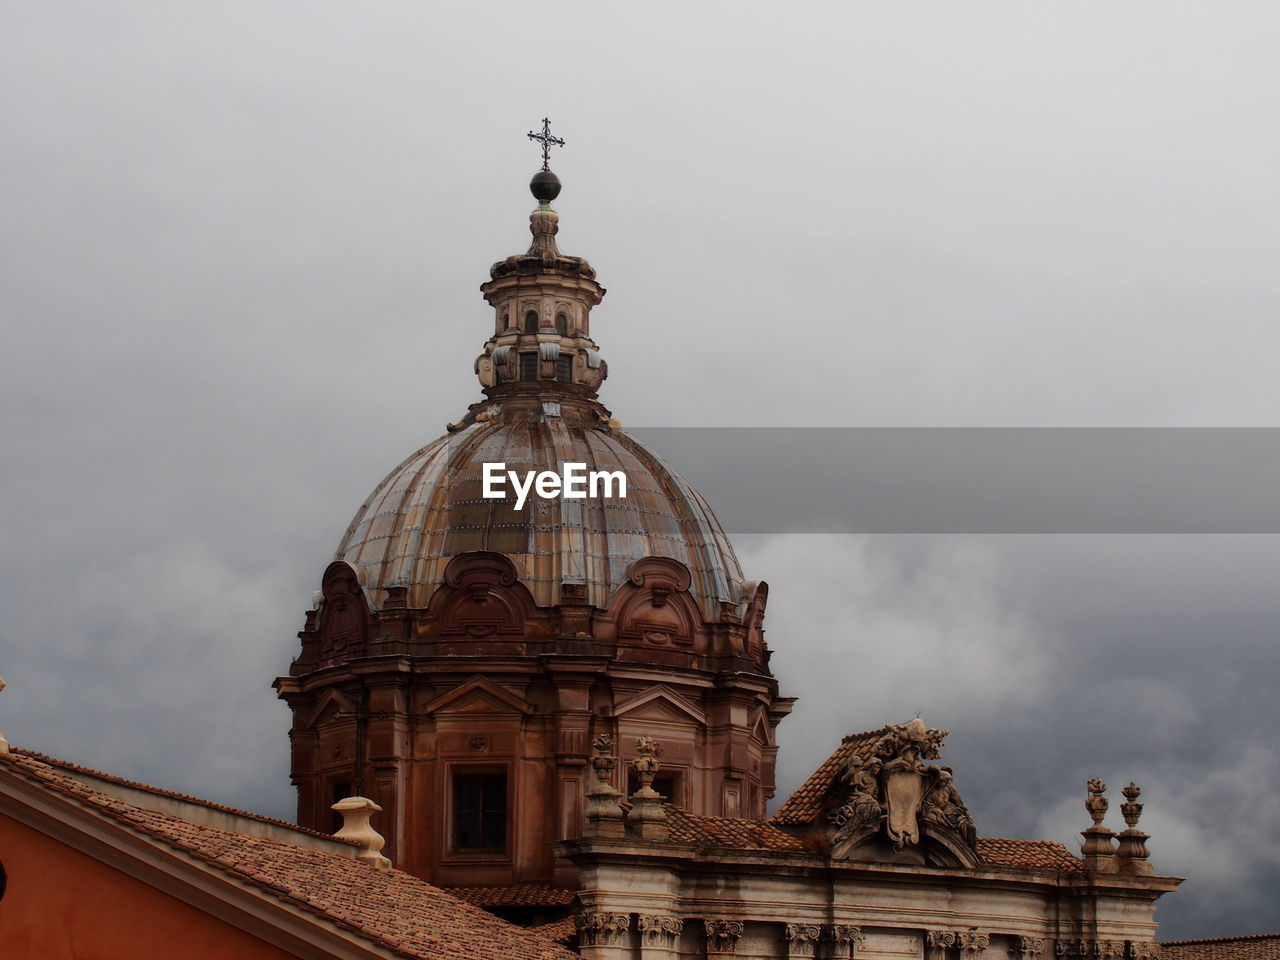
[(63, 905)]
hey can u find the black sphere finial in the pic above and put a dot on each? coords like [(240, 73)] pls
[(545, 186)]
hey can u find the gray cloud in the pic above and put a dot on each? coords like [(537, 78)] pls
[(237, 277)]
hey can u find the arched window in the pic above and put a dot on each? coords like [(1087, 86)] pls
[(562, 325), (506, 320), (531, 322)]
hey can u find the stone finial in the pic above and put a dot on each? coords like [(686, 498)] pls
[(1096, 803), (356, 812), (4, 744), (1131, 809), (1132, 854), (1098, 848), (647, 818), (604, 812), (646, 766)]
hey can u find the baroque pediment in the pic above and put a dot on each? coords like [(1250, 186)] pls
[(891, 804), (477, 696), (662, 705)]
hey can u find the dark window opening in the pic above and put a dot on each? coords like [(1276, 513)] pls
[(3, 881), (528, 366), (531, 322), (506, 320), (338, 790), (564, 369), (562, 324), (667, 784), (480, 811)]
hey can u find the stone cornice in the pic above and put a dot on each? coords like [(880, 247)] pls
[(771, 864)]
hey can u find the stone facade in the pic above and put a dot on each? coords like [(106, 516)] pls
[(912, 881)]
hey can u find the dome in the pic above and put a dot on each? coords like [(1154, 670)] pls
[(430, 509)]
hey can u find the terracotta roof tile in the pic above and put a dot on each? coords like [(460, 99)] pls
[(693, 828), (515, 895), (1263, 946), (558, 931), (804, 805), (1032, 854), (161, 792), (390, 908)]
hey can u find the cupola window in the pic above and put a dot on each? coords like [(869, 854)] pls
[(531, 322), (562, 325), (480, 811), (564, 368), (528, 366)]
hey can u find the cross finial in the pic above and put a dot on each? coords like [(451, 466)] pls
[(547, 140)]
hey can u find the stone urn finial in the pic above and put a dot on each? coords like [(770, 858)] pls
[(356, 812), (647, 816), (4, 744), (1099, 842), (1132, 855), (646, 766), (604, 810)]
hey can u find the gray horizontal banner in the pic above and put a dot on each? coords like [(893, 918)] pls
[(980, 480)]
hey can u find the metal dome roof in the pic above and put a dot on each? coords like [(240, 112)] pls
[(429, 509)]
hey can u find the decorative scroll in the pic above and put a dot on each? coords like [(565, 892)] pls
[(599, 929), (845, 940), (802, 939), (722, 936), (939, 942), (660, 931), (973, 944)]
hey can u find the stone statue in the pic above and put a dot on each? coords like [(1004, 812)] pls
[(943, 805), (863, 807)]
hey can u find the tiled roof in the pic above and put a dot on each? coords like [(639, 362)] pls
[(1032, 854), (803, 806), (558, 931), (693, 828), (76, 768), (391, 909), (1263, 946), (516, 895)]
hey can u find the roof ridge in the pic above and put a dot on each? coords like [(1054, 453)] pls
[(171, 794), (1248, 936)]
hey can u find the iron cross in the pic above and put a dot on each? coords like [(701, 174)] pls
[(547, 140)]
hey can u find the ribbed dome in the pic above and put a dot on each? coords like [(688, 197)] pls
[(430, 509)]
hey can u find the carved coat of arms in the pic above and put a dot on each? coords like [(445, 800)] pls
[(890, 791)]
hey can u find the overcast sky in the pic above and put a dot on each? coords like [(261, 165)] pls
[(239, 253)]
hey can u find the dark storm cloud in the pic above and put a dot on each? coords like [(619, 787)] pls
[(238, 261)]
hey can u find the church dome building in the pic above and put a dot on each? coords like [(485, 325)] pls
[(470, 642)]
